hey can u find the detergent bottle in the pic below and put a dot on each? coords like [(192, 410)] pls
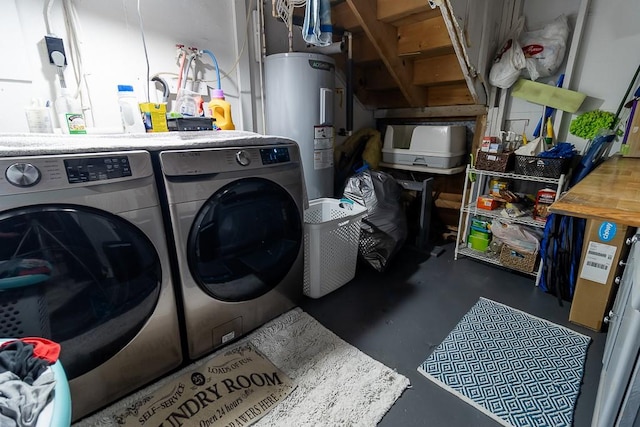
[(70, 115), (221, 110), (130, 110)]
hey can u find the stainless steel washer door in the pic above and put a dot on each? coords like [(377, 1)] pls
[(244, 240), (82, 277)]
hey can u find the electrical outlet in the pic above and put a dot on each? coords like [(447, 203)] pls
[(55, 44), (200, 87)]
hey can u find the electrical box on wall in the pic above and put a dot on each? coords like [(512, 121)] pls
[(55, 44), (199, 86)]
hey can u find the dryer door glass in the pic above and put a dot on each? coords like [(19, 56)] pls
[(81, 277), (244, 240)]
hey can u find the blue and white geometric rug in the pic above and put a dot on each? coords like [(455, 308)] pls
[(518, 369)]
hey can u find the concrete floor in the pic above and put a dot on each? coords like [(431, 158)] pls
[(398, 318)]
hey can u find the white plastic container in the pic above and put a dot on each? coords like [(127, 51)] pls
[(70, 115), (130, 110), (39, 117), (331, 238), (442, 147)]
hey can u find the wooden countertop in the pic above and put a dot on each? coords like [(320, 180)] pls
[(610, 192)]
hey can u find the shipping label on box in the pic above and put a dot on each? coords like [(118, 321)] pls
[(597, 262), (603, 247)]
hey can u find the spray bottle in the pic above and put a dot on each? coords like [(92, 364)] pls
[(221, 110)]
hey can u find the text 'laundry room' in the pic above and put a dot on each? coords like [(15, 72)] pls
[(319, 213)]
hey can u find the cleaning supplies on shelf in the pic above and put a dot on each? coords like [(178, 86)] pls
[(221, 110), (130, 110), (70, 115)]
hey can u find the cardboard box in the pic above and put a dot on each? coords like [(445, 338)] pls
[(487, 202), (603, 248)]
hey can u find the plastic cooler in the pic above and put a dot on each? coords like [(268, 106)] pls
[(331, 237)]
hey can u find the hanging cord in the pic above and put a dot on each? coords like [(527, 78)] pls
[(48, 5), (215, 62), (146, 54), (165, 88), (82, 92)]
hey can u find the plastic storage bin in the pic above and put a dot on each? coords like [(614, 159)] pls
[(442, 147), (331, 238)]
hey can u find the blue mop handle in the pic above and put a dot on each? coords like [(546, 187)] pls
[(548, 111)]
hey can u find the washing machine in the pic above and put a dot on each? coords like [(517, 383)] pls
[(84, 262), (236, 213)]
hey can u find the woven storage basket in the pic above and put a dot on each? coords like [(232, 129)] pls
[(502, 162), (541, 166), (522, 261)]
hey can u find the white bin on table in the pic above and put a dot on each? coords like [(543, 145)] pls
[(331, 237)]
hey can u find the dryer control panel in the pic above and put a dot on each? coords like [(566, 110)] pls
[(193, 162), (274, 155)]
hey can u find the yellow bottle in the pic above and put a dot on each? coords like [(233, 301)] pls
[(549, 138), (221, 111)]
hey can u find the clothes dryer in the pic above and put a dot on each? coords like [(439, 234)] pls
[(84, 262), (236, 213)]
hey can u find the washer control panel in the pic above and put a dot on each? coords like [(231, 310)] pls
[(23, 174), (96, 168), (243, 158), (47, 172)]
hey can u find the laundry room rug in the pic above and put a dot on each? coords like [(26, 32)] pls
[(333, 382), (518, 369)]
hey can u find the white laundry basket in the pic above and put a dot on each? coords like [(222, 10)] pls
[(331, 236)]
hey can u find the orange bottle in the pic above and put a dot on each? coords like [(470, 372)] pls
[(221, 110)]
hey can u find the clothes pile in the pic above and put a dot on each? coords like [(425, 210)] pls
[(26, 383)]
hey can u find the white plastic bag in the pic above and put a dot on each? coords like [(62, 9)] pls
[(516, 236), (531, 149), (544, 49), (509, 60)]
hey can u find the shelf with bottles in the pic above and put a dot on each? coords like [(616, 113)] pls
[(526, 219), (478, 188)]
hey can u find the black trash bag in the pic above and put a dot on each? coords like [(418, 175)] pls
[(383, 230)]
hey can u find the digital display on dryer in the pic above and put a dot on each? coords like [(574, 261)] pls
[(96, 169), (274, 155)]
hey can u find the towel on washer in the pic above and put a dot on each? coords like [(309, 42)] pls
[(317, 29)]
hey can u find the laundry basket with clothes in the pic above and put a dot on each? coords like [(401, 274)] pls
[(34, 391)]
